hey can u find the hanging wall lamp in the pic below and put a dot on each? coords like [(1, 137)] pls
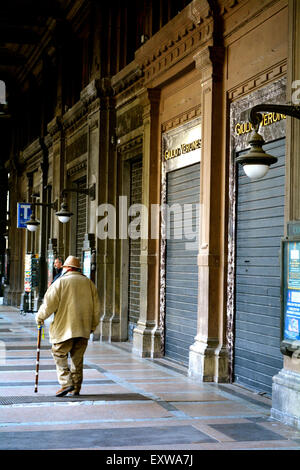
[(64, 214), (32, 224), (256, 162)]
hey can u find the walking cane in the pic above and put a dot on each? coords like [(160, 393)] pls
[(38, 358)]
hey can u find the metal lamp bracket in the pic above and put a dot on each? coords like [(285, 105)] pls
[(90, 192)]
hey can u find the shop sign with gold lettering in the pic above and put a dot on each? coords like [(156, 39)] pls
[(267, 119), (272, 126), (182, 149), (182, 144)]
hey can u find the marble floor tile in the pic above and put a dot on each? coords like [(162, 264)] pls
[(214, 409), (242, 432), (130, 402), (190, 396), (109, 438)]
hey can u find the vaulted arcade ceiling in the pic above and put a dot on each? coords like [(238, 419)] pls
[(29, 29)]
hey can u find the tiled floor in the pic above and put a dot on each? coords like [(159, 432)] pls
[(127, 403)]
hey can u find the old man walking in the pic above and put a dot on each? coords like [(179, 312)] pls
[(74, 300)]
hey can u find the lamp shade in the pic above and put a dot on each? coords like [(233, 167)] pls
[(32, 224), (64, 214), (255, 172), (64, 218), (256, 162)]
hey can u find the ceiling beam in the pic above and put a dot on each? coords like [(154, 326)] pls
[(26, 20), (10, 58), (18, 36), (29, 11)]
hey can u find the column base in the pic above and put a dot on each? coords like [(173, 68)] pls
[(286, 398), (116, 333), (12, 298), (96, 334), (109, 330), (208, 362), (105, 329), (146, 340)]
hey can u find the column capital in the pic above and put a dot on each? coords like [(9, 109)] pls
[(149, 96), (54, 126), (210, 62)]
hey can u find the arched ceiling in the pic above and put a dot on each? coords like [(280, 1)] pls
[(30, 31), (27, 27)]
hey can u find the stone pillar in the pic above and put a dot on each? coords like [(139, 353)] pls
[(90, 98), (286, 384), (16, 237), (56, 132), (106, 194), (208, 360), (43, 222), (146, 335)]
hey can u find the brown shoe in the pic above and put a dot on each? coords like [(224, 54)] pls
[(63, 391)]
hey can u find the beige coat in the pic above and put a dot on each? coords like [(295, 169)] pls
[(74, 300)]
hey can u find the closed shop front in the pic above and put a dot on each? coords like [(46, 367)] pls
[(260, 227), (256, 227), (134, 277), (181, 195), (81, 216), (183, 187)]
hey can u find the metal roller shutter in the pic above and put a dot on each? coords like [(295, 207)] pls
[(183, 187), (81, 216), (260, 226), (134, 251)]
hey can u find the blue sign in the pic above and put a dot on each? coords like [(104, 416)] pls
[(24, 212), (292, 294), (292, 316)]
